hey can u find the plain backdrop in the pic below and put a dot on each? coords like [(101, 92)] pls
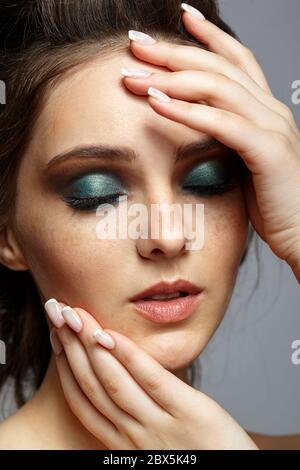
[(247, 365)]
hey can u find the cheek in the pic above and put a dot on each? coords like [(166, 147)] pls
[(226, 230), (66, 258)]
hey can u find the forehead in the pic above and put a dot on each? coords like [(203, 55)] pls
[(92, 105)]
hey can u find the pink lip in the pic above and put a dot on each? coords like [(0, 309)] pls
[(167, 311)]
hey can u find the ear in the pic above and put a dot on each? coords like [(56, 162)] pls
[(10, 251)]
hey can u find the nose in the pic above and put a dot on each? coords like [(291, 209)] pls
[(165, 237)]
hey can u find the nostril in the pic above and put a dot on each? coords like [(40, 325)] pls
[(157, 250)]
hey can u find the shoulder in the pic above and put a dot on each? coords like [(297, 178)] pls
[(16, 432), (269, 442), (10, 434)]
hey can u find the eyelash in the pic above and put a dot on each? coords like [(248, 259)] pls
[(211, 190), (91, 203)]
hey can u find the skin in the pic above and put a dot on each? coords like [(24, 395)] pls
[(65, 264)]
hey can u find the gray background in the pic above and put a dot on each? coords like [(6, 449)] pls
[(247, 365)]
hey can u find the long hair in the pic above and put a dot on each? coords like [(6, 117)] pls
[(39, 41)]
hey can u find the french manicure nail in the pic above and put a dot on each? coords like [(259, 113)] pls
[(159, 95), (193, 11), (104, 339), (140, 37), (55, 342), (72, 318), (135, 73), (54, 312)]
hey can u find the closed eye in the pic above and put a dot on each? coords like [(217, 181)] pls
[(214, 176)]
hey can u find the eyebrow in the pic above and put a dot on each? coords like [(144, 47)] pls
[(127, 154), (185, 151)]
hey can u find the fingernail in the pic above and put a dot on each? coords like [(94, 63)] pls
[(193, 11), (136, 73), (72, 318), (55, 342), (54, 312), (159, 95), (104, 339), (140, 37)]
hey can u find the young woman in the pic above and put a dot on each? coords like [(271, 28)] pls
[(81, 127)]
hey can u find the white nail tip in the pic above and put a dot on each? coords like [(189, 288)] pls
[(72, 318), (50, 301), (67, 309), (140, 37), (54, 312), (104, 339), (135, 73), (96, 333), (159, 95), (193, 11)]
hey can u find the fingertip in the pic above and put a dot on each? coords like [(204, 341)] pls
[(81, 311), (192, 11), (158, 95), (62, 305)]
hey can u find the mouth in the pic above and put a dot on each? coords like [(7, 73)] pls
[(165, 297), (168, 302)]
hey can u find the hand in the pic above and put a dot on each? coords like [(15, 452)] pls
[(223, 92), (127, 400)]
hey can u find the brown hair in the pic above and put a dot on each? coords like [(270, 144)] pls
[(40, 40)]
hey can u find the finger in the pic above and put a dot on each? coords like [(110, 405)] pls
[(53, 310), (119, 384), (89, 416), (162, 385), (158, 383), (177, 57), (232, 130), (216, 90), (90, 385), (224, 44)]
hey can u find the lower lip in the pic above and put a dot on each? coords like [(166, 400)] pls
[(168, 311)]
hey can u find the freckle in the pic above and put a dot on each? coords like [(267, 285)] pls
[(220, 227)]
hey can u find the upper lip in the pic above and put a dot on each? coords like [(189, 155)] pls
[(167, 288)]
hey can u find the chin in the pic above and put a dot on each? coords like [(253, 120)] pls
[(172, 354)]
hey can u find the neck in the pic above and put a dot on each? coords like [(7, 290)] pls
[(52, 414)]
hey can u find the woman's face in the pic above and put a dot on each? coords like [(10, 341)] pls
[(92, 106)]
